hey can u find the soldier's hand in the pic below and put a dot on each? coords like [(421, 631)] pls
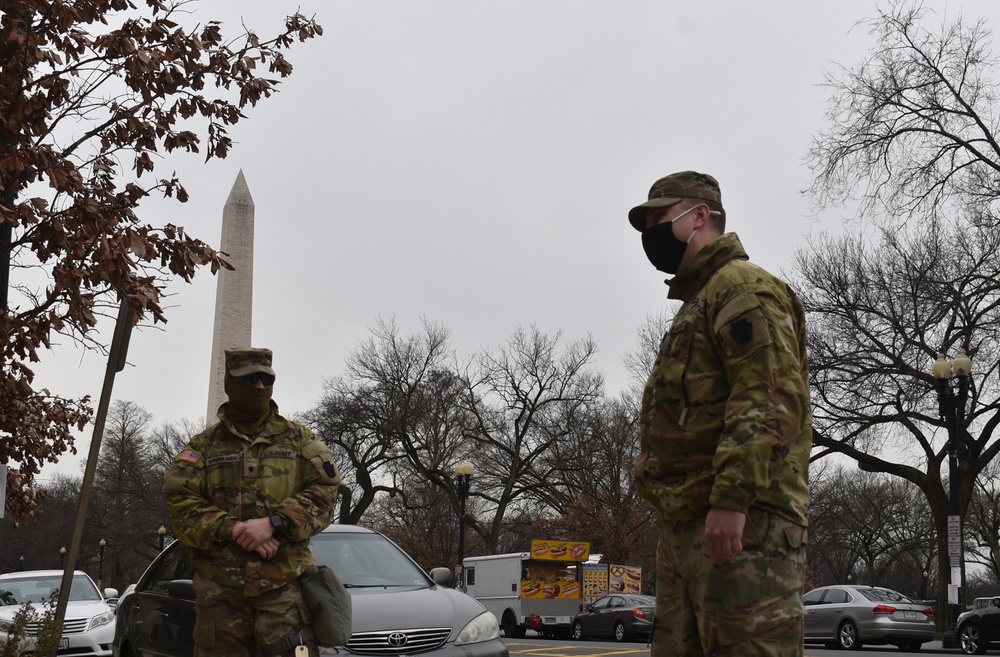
[(724, 534), (251, 534), (268, 548)]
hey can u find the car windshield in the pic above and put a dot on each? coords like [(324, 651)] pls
[(884, 595), (19, 590), (366, 560)]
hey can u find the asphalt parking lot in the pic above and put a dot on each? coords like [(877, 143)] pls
[(539, 647)]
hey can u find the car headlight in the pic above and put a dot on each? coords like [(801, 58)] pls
[(483, 627), (102, 619), (5, 625)]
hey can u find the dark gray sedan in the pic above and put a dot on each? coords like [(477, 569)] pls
[(621, 616), (850, 616), (979, 629), (398, 609)]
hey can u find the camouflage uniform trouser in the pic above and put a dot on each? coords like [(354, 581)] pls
[(228, 624), (750, 607)]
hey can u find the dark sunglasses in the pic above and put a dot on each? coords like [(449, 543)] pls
[(254, 377)]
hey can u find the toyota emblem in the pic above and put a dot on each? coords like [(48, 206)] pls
[(397, 639)]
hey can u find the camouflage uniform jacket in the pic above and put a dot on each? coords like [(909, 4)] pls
[(221, 476), (726, 417)]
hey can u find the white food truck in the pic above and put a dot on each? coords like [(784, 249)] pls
[(539, 590)]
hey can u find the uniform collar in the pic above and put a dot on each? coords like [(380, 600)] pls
[(706, 262), (276, 423)]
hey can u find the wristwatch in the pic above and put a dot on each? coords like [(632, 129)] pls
[(277, 522)]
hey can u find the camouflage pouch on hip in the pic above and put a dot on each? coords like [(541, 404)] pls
[(329, 603)]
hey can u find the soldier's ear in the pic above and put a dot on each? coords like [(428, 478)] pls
[(701, 215)]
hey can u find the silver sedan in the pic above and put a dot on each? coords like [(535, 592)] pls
[(849, 616)]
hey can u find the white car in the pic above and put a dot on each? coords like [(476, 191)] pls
[(89, 626)]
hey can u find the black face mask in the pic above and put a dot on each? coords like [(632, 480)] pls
[(662, 247)]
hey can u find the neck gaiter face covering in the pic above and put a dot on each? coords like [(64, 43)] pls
[(249, 406)]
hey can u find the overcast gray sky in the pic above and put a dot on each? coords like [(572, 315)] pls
[(473, 162)]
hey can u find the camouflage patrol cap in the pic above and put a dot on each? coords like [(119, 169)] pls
[(672, 189), (246, 361)]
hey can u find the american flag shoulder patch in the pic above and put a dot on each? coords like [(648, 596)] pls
[(189, 456)]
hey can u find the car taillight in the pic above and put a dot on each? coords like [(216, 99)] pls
[(929, 612), (884, 609), (638, 613)]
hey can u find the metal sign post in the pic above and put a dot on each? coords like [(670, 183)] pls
[(116, 362)]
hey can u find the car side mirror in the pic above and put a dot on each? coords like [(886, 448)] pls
[(442, 576), (181, 588), (110, 593)]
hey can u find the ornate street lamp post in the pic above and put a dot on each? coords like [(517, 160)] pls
[(100, 572), (463, 479), (62, 558), (161, 532), (952, 381)]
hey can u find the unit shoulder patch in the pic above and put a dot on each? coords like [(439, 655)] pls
[(745, 334)]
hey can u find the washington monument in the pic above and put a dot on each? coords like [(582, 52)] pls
[(234, 293)]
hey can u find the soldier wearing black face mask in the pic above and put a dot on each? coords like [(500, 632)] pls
[(725, 436)]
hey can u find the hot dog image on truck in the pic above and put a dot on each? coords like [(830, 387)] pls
[(538, 590)]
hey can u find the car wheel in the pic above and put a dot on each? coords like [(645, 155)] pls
[(970, 639), (847, 636), (620, 634), (510, 627), (578, 631)]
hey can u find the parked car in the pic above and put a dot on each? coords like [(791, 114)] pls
[(982, 603), (622, 616), (850, 616), (398, 609), (89, 624), (979, 629)]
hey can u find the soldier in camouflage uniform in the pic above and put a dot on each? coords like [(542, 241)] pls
[(725, 432), (244, 496)]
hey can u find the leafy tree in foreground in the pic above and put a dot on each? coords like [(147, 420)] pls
[(92, 92)]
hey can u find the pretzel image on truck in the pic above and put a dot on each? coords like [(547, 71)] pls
[(539, 590)]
